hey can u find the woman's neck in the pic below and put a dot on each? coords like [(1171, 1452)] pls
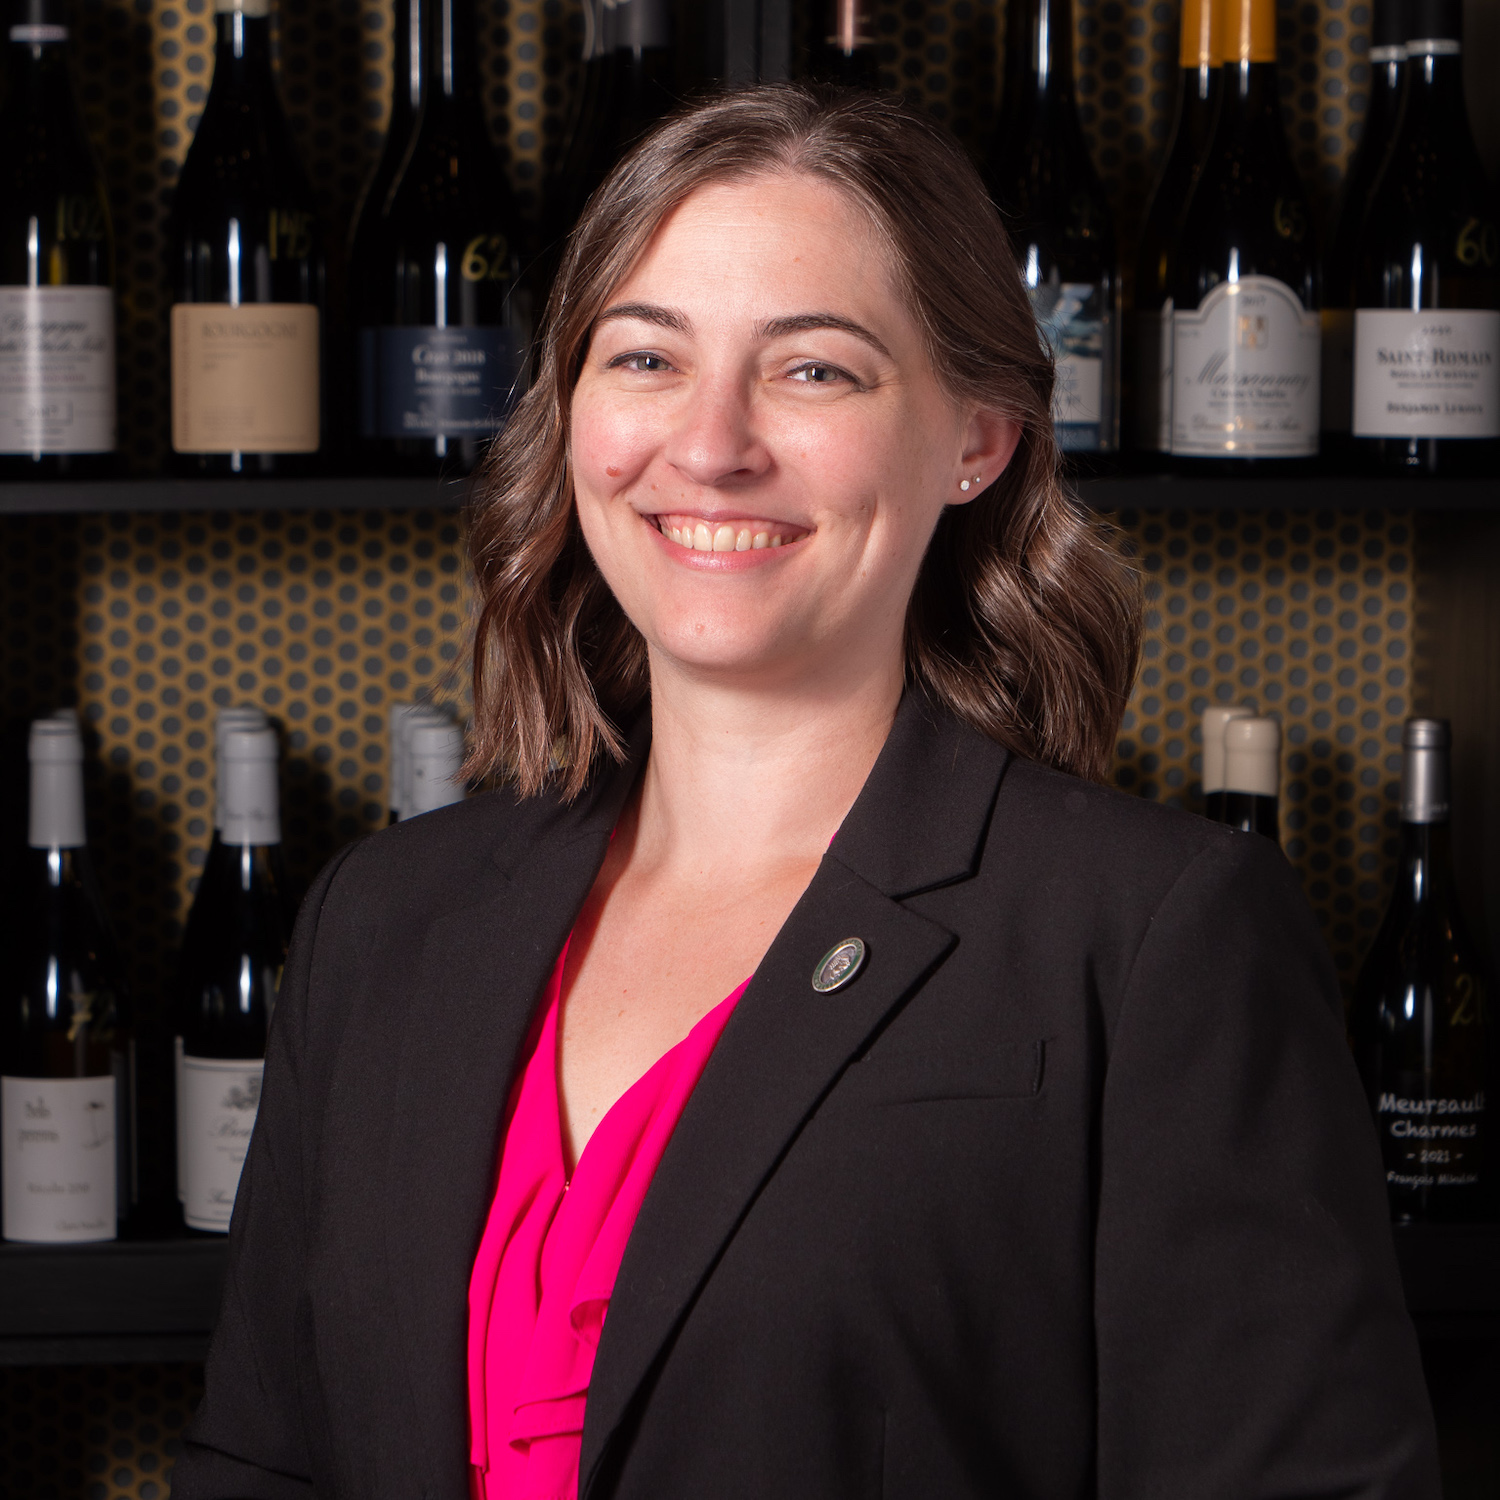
[(757, 778)]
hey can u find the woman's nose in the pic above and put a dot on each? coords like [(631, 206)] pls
[(714, 442)]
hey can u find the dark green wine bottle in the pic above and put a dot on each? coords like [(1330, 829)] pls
[(1245, 279), (1427, 281), (1060, 222), (1198, 83), (67, 1055), (406, 105), (233, 950), (1387, 81), (249, 275), (1423, 1025), (57, 305), (444, 321)]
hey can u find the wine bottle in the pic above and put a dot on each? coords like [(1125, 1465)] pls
[(406, 104), (249, 276), (845, 52), (1427, 284), (1198, 82), (443, 319), (1387, 80), (1245, 290), (1214, 721), (572, 182), (1063, 231), (437, 757), (1252, 776), (1422, 1023), (67, 1058), (232, 954), (57, 302)]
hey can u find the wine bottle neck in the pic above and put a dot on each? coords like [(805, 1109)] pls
[(1251, 95), (1424, 869), (451, 66), (406, 66), (1434, 88), (242, 53), (1050, 50), (646, 25), (36, 67)]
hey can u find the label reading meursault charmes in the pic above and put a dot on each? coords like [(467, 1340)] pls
[(1431, 1143), (1245, 373), (217, 1101), (1433, 374), (57, 369), (59, 1162)]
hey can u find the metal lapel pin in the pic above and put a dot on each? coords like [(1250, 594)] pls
[(839, 965)]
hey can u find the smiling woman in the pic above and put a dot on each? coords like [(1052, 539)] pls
[(797, 1076)]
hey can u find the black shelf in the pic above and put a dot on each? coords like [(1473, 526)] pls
[(1131, 492), (149, 1300), (107, 496)]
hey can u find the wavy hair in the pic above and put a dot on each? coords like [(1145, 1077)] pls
[(1025, 618)]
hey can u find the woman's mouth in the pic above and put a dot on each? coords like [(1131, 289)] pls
[(742, 534)]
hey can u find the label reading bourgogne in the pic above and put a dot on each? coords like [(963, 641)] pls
[(217, 1101), (1431, 1143), (1245, 373)]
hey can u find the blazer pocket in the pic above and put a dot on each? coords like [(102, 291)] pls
[(1002, 1070)]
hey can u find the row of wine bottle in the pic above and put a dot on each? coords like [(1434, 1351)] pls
[(1251, 351), (1248, 349), (1422, 1022), (68, 1158)]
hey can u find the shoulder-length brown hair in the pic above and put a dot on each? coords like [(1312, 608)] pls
[(1024, 620)]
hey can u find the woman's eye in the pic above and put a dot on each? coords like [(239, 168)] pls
[(644, 364), (816, 374)]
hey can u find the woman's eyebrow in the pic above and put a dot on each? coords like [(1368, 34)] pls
[(646, 312), (807, 322)]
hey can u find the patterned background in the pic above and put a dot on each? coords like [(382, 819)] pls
[(150, 623)]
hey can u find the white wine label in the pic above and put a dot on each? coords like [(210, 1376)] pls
[(59, 1159), (438, 382), (57, 369), (1245, 373), (1431, 1143), (245, 379), (1338, 369), (1429, 374), (217, 1099), (1077, 321), (1152, 337)]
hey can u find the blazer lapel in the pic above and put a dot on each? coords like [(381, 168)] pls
[(919, 822), (482, 970)]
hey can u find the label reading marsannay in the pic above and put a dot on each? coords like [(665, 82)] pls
[(1245, 373), (439, 382), (1077, 322), (1431, 1143), (1429, 374), (217, 1101), (57, 369), (59, 1159)]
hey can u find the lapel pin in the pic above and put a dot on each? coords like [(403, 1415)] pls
[(839, 965)]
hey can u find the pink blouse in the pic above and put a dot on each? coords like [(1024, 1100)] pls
[(550, 1254)]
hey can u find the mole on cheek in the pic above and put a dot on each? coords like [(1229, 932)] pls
[(612, 471)]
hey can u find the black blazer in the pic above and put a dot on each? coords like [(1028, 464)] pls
[(1070, 1192)]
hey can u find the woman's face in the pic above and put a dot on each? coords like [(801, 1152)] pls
[(760, 446)]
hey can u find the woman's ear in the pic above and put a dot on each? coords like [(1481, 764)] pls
[(989, 445)]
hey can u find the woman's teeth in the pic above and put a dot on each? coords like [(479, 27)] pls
[(698, 537)]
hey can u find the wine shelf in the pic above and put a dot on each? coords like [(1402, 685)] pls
[(137, 1301), (1130, 492)]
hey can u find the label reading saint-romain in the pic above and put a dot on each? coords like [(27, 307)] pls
[(1431, 1143), (1426, 374), (439, 382), (245, 379), (59, 1159), (1245, 373), (57, 369), (1075, 320), (216, 1104)]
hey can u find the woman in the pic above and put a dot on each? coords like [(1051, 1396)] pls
[(1029, 1160)]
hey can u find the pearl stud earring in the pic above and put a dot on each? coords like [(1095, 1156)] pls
[(963, 484)]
